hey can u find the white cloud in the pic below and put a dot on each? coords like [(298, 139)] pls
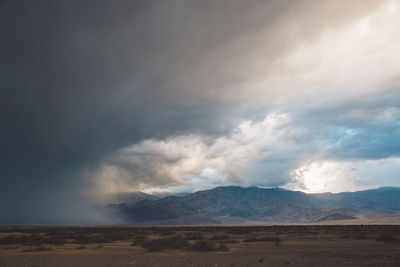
[(312, 94), (248, 156), (342, 176), (344, 64)]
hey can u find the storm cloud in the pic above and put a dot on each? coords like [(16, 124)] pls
[(101, 96)]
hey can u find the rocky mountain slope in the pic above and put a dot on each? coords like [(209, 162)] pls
[(235, 205)]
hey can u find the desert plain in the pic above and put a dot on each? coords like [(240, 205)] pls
[(289, 245)]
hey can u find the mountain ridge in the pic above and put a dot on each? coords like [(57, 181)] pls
[(262, 205)]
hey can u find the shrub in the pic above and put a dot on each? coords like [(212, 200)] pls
[(155, 245), (178, 243), (222, 247), (140, 238), (56, 241), (359, 236), (204, 245), (220, 236), (39, 248), (166, 243), (194, 236), (276, 240), (386, 238), (43, 248), (27, 250)]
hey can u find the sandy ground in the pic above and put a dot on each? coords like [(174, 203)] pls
[(319, 248), (305, 253)]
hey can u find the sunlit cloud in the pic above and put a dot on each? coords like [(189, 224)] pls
[(319, 135), (341, 176), (249, 155)]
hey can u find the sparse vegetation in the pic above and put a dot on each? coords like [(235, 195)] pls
[(43, 248), (39, 248), (205, 238), (207, 245), (213, 240), (179, 242), (275, 240), (166, 243), (194, 236), (387, 238), (220, 236)]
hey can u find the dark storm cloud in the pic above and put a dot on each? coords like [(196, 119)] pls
[(81, 80)]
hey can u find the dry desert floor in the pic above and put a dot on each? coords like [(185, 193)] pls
[(312, 245)]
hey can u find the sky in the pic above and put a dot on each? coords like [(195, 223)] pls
[(102, 97)]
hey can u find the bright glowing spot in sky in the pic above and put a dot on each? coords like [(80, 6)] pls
[(316, 177), (392, 8)]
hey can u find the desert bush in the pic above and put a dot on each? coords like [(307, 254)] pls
[(387, 238), (33, 239), (220, 236), (166, 243), (10, 247), (27, 250), (239, 230), (39, 248), (222, 247), (276, 240), (166, 233), (30, 240), (359, 236), (194, 236), (8, 239), (178, 243), (207, 245), (34, 243), (94, 238), (231, 241), (204, 245), (251, 239), (156, 245), (43, 248), (140, 238)]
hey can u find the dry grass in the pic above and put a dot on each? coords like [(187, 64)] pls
[(330, 245)]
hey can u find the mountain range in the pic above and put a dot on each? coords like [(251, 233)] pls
[(253, 205)]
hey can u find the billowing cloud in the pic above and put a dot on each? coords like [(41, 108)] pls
[(274, 152), (333, 102), (334, 176), (253, 153)]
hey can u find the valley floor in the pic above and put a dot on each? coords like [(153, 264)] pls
[(315, 245)]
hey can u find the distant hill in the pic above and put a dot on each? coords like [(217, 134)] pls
[(238, 205), (128, 198), (338, 214), (336, 217), (381, 199)]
